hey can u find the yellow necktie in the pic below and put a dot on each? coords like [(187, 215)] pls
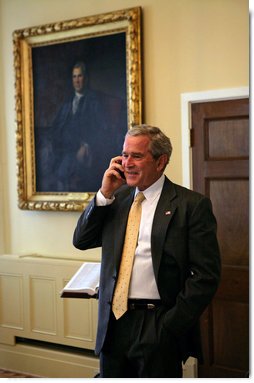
[(120, 299)]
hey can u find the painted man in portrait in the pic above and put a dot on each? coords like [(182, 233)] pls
[(79, 137)]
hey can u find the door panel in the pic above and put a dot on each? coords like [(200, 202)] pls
[(220, 158), (228, 139), (232, 233)]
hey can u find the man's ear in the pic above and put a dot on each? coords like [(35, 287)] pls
[(162, 162)]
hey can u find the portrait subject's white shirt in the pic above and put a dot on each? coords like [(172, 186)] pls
[(142, 284), (75, 102)]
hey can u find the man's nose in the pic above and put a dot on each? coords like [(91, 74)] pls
[(128, 161)]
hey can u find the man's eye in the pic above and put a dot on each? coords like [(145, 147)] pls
[(137, 156), (134, 156)]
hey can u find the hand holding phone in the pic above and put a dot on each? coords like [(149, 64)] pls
[(111, 181)]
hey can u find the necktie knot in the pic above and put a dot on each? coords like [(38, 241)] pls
[(139, 198)]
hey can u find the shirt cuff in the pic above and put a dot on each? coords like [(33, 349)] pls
[(102, 201)]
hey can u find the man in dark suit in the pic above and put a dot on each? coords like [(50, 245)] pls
[(176, 267)]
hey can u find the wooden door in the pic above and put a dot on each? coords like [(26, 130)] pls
[(220, 154)]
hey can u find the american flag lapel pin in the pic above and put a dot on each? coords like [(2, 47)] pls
[(167, 212)]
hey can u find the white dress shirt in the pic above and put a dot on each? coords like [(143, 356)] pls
[(143, 284), (75, 102)]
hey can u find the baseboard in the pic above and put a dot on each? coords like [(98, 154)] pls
[(48, 363)]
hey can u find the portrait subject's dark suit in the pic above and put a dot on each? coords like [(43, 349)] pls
[(70, 131), (92, 125), (185, 257)]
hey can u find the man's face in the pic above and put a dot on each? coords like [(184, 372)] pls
[(78, 80), (140, 168)]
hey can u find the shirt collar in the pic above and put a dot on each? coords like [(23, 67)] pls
[(154, 190), (79, 95)]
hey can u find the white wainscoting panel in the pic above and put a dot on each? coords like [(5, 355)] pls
[(78, 330), (43, 312), (11, 301)]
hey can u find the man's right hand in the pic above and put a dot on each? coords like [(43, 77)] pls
[(112, 179)]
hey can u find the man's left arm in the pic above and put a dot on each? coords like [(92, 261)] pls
[(203, 270)]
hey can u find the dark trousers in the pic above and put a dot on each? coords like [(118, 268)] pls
[(137, 346)]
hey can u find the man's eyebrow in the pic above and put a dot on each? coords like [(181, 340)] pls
[(132, 153)]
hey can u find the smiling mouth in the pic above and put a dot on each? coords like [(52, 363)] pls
[(132, 173)]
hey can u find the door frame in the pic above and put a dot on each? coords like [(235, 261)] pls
[(186, 100)]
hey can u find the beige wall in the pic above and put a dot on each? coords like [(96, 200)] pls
[(188, 46)]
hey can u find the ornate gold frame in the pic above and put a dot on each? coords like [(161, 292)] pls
[(24, 40)]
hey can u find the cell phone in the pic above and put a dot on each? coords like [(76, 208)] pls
[(122, 174), (120, 171)]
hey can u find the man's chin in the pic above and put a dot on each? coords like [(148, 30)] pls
[(132, 181)]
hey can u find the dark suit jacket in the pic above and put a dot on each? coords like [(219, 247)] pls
[(185, 256)]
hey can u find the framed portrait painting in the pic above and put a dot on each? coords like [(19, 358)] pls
[(78, 91)]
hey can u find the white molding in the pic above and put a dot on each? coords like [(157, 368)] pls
[(46, 362), (186, 100)]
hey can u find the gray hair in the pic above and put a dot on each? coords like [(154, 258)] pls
[(159, 142)]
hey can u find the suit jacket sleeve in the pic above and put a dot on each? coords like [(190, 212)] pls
[(88, 232)]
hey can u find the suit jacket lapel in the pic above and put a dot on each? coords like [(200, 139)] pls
[(162, 217)]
